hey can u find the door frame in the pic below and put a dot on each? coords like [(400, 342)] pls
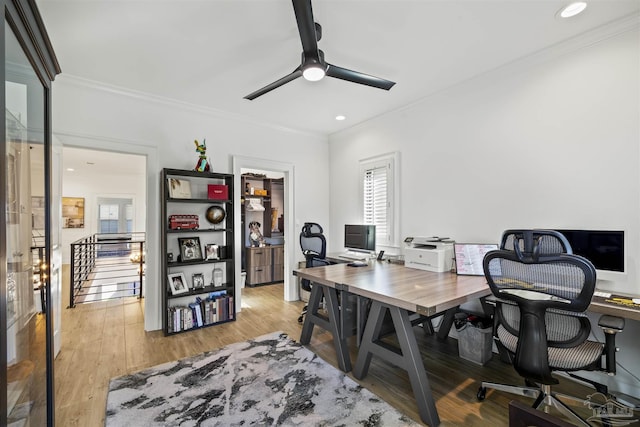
[(288, 169), (152, 294)]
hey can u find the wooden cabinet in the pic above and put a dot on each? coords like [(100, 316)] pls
[(198, 268), (265, 264), (258, 265), (278, 263)]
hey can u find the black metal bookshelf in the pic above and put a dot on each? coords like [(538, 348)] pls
[(215, 301)]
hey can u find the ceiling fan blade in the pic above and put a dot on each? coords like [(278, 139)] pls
[(268, 88), (306, 27), (358, 77)]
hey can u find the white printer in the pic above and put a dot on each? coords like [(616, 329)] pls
[(429, 253)]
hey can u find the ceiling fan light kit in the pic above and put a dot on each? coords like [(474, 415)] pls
[(313, 69), (313, 73), (313, 66)]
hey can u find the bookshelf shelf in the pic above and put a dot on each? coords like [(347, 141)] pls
[(200, 230), (205, 295), (196, 292)]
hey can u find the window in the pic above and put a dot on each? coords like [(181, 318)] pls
[(129, 217), (115, 215), (108, 218), (378, 197)]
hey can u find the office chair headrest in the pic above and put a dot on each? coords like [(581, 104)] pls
[(311, 228), (312, 242), (533, 263), (530, 245)]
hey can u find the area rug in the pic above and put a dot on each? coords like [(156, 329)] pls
[(267, 381)]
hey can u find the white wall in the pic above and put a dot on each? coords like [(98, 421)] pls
[(91, 187), (86, 114), (553, 143)]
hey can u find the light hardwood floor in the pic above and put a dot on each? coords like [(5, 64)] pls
[(107, 339)]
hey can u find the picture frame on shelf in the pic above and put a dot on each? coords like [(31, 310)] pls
[(178, 283), (179, 188), (212, 251), (190, 249), (197, 280)]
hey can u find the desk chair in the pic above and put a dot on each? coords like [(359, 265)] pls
[(314, 249), (542, 291)]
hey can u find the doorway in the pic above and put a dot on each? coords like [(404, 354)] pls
[(285, 226), (262, 222), (112, 188)]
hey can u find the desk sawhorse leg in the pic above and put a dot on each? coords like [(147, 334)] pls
[(331, 324), (407, 356)]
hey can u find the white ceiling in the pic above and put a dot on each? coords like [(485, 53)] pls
[(213, 53), (86, 164)]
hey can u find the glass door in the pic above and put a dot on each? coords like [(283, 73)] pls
[(25, 239)]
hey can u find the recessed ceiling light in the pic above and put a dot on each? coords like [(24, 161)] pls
[(70, 169), (573, 9), (340, 117)]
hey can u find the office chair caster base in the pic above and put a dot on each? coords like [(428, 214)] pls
[(532, 392), (482, 393), (304, 311)]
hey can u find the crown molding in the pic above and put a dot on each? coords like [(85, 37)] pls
[(82, 82)]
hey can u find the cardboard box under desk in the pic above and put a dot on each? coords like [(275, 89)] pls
[(217, 191)]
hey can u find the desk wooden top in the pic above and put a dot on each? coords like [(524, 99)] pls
[(621, 307), (424, 292)]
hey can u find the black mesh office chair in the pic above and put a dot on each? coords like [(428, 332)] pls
[(542, 290), (314, 249)]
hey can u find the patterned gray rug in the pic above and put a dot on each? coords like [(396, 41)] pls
[(269, 380)]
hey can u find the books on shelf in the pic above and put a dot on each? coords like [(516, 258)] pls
[(217, 307)]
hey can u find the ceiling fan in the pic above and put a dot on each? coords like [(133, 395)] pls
[(313, 66)]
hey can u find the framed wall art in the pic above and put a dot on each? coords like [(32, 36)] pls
[(73, 212)]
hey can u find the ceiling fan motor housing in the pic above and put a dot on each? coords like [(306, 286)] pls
[(313, 66)]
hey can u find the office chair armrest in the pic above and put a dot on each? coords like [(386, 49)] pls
[(610, 325), (320, 262), (613, 323), (313, 262)]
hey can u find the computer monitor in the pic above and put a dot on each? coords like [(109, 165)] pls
[(360, 238), (604, 248)]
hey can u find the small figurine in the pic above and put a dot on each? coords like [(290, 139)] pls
[(203, 163)]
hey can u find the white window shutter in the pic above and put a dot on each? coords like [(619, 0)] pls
[(376, 203)]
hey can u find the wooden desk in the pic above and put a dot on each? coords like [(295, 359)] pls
[(619, 309), (335, 258), (400, 291)]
